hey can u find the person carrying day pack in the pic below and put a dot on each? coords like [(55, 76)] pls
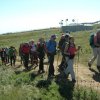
[(21, 53), (70, 51), (33, 53), (25, 53), (3, 56), (51, 52), (41, 49), (96, 50), (64, 39), (7, 54), (12, 55)]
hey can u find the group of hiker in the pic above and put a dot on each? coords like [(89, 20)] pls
[(8, 55), (33, 51), (95, 45), (35, 54)]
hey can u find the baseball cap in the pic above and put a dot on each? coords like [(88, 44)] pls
[(53, 36)]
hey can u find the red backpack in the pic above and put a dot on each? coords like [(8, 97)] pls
[(97, 38), (26, 48)]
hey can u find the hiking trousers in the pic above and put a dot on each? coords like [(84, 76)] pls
[(26, 60), (12, 60), (41, 65), (51, 66), (96, 54), (69, 68)]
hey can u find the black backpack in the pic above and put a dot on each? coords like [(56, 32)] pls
[(91, 40)]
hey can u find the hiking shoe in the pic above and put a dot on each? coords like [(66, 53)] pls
[(43, 71), (89, 65)]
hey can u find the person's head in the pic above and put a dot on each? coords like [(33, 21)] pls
[(53, 37), (31, 42), (62, 36), (68, 32), (67, 35), (41, 39)]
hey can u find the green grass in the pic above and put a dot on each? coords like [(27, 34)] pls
[(21, 85), (28, 86)]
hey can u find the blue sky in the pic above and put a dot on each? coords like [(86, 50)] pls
[(22, 15)]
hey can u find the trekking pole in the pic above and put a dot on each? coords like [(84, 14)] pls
[(57, 60), (77, 64), (47, 67)]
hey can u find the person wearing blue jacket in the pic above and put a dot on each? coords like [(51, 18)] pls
[(51, 52)]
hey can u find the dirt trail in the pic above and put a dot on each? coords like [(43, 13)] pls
[(84, 76)]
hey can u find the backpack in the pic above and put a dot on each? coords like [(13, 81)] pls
[(91, 40), (25, 49), (71, 50), (51, 46), (97, 39)]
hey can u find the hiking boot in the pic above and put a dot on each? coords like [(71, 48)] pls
[(89, 65), (43, 71)]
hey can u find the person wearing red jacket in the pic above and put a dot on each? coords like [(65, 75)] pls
[(70, 52)]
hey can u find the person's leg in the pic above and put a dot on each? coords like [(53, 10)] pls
[(71, 70), (14, 60), (11, 60), (26, 60), (98, 59), (51, 66), (93, 57), (66, 71)]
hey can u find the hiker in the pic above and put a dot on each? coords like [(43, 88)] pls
[(12, 55), (41, 49), (95, 45), (20, 53), (64, 39), (70, 51), (7, 54), (25, 53), (51, 52), (3, 56), (33, 53)]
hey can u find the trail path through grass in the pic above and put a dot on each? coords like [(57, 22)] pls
[(84, 76)]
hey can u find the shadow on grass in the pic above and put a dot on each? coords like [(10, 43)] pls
[(33, 75), (43, 84), (66, 87), (96, 75)]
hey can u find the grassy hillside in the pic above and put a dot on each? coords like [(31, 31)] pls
[(20, 85), (81, 38)]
